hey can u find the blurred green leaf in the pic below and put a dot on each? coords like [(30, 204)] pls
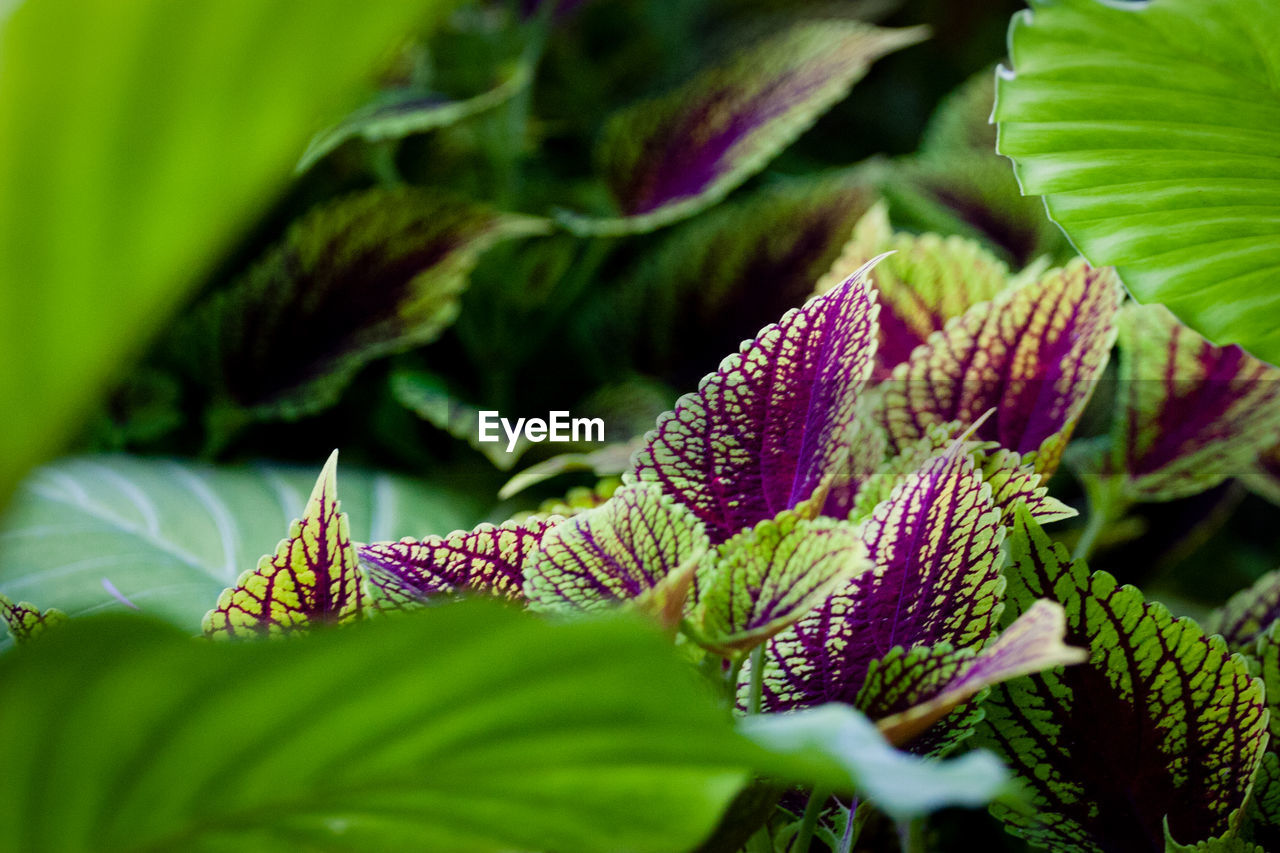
[(463, 728), (1153, 132), (136, 139), (171, 535)]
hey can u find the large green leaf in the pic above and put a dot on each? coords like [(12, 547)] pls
[(135, 138), (1153, 132), (171, 535), (464, 728)]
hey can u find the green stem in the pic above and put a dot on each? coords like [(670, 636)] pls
[(756, 696), (911, 836), (812, 809), (1107, 504)]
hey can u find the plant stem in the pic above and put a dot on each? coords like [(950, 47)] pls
[(911, 835), (817, 797), (756, 696), (851, 828), (1106, 505)]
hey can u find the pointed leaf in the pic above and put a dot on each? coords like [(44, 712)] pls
[(488, 560), (313, 577), (365, 276), (1190, 414), (762, 432), (909, 694), (1162, 722), (670, 157), (468, 729), (1153, 132), (25, 621), (1034, 354), (614, 553), (934, 544), (765, 578), (1249, 613)]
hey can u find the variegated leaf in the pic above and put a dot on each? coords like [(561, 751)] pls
[(26, 621), (1190, 414), (764, 431), (1163, 722), (765, 578), (615, 553), (1249, 613), (1263, 478), (487, 560), (934, 545), (313, 577), (908, 692), (362, 277), (1034, 354), (670, 157)]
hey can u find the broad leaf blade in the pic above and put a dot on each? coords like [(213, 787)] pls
[(1034, 354), (1163, 722), (1190, 414), (1249, 613), (1155, 140), (670, 157), (135, 144), (313, 578), (467, 728), (764, 431), (362, 277)]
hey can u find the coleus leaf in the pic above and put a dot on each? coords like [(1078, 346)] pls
[(717, 279), (1249, 613), (1263, 815), (962, 120), (26, 621), (362, 277), (762, 432), (487, 560), (1155, 141), (313, 577), (407, 110), (925, 282), (1034, 354), (1263, 479), (765, 578), (934, 545), (670, 157), (427, 396), (907, 691), (1190, 414), (621, 551), (1163, 722)]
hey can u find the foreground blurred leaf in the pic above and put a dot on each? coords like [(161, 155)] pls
[(1153, 132), (135, 141), (368, 275), (1163, 722), (466, 728), (171, 535), (668, 158)]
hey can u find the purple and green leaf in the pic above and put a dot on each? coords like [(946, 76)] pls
[(669, 157), (26, 621), (1034, 354), (1190, 414), (621, 551), (762, 433), (934, 545), (1249, 613), (1263, 478), (366, 276), (488, 560), (765, 578), (1163, 722), (313, 578)]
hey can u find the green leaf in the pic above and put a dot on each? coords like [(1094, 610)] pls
[(670, 157), (313, 578), (135, 142), (764, 578), (171, 535), (1153, 132), (1162, 723), (402, 112), (465, 728), (427, 396), (26, 621), (838, 748), (1249, 613), (362, 277)]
